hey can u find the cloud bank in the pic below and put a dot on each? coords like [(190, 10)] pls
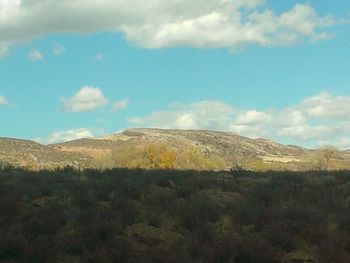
[(318, 120), (163, 23)]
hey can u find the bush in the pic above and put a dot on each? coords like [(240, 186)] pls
[(57, 216)]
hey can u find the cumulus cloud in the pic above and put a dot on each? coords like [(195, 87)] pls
[(120, 105), (253, 117), (35, 55), (58, 49), (160, 23), (253, 131), (307, 132), (63, 136), (326, 105), (323, 118), (3, 100), (291, 117), (207, 115), (86, 99)]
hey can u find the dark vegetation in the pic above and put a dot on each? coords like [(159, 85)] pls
[(173, 216)]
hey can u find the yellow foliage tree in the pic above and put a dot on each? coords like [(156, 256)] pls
[(159, 156), (147, 156)]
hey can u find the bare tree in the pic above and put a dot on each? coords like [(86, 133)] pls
[(325, 155), (329, 152)]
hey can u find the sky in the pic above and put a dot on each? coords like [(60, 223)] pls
[(273, 69)]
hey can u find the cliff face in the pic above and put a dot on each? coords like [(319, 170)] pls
[(156, 148)]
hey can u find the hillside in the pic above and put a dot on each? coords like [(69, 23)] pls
[(25, 153), (157, 148)]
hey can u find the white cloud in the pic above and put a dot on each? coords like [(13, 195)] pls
[(63, 136), (35, 55), (120, 105), (58, 49), (253, 117), (299, 124), (290, 27), (291, 117), (343, 143), (86, 99), (160, 23), (4, 50), (253, 131), (186, 121), (98, 57), (307, 132), (207, 115), (326, 106), (216, 27), (3, 100)]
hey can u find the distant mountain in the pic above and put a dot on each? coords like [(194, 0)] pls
[(179, 149)]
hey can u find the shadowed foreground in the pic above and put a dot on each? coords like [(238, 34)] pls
[(173, 216)]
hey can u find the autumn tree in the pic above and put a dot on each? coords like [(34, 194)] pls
[(158, 156), (191, 157), (147, 156)]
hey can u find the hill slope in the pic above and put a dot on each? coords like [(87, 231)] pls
[(25, 153), (157, 148)]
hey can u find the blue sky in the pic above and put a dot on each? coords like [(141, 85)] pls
[(274, 69)]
